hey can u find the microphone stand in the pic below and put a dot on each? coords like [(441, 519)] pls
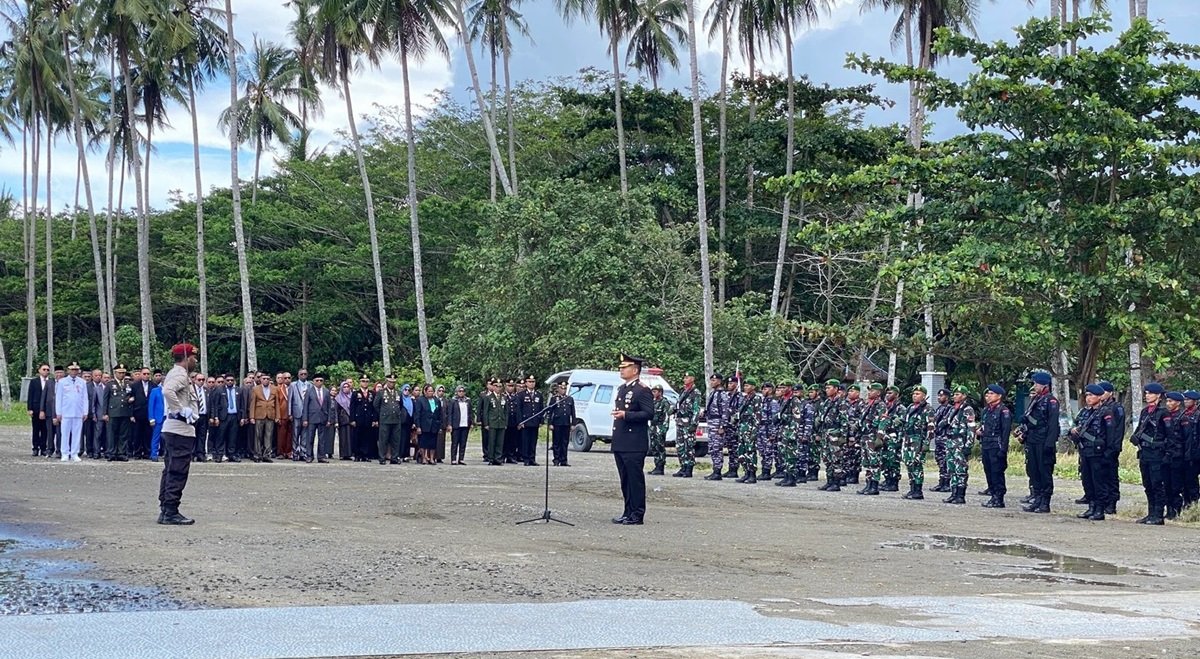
[(546, 515)]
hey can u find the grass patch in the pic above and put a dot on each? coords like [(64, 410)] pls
[(15, 416)]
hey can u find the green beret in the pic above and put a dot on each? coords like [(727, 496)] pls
[(961, 389), (814, 387), (876, 386), (894, 389), (750, 381), (833, 382), (920, 389)]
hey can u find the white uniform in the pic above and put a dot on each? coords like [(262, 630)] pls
[(71, 403)]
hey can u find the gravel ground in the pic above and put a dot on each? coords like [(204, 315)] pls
[(348, 533)]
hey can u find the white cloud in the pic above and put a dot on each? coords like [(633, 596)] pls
[(841, 13)]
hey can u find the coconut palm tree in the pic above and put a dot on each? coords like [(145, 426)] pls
[(615, 18), (492, 23), (652, 38), (345, 33), (701, 198), (239, 230), (718, 19), (303, 30), (271, 75), (456, 11)]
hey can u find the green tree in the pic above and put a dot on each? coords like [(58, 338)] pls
[(653, 36)]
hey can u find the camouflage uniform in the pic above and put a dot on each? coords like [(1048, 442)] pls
[(687, 414), (815, 448), (833, 423), (796, 417), (733, 402), (716, 414), (852, 451), (749, 419), (768, 434), (918, 428), (959, 439), (808, 458), (658, 433), (870, 443), (941, 429), (893, 429)]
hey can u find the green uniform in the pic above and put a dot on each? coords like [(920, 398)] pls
[(748, 416), (918, 430), (959, 441), (493, 416), (687, 415), (389, 410), (658, 432)]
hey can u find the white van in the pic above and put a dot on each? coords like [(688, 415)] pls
[(594, 404)]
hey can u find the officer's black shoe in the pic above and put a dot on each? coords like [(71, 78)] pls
[(874, 485), (1097, 516), (834, 485), (985, 493), (866, 489), (657, 471), (1042, 506), (893, 485), (1083, 500), (619, 520), (173, 518), (917, 494), (749, 478), (1027, 499), (960, 496), (826, 486), (1110, 509), (1087, 514), (850, 479), (990, 503), (682, 473), (632, 521), (715, 476), (786, 481), (1153, 521), (801, 478), (941, 486)]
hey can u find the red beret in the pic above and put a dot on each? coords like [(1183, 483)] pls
[(183, 350)]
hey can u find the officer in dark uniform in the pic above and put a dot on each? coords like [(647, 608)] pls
[(512, 434), (1177, 424), (531, 420), (1150, 437), (120, 415), (562, 414), (390, 415), (941, 427), (363, 420), (1191, 448), (994, 428), (1116, 442), (1091, 436), (1038, 432), (633, 410)]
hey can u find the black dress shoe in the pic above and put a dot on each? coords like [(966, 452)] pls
[(383, 462), (632, 521), (175, 519), (267, 460), (395, 462), (322, 461), (620, 520), (234, 458), (564, 465)]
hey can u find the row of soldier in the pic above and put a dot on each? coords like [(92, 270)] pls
[(787, 436)]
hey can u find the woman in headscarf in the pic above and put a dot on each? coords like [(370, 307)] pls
[(343, 419), (406, 427)]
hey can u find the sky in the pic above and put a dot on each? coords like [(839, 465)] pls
[(557, 49)]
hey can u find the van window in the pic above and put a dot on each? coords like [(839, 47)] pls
[(583, 394), (604, 394)]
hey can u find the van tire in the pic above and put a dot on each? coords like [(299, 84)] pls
[(580, 440)]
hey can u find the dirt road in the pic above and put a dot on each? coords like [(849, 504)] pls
[(288, 534)]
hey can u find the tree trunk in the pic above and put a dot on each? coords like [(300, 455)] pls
[(371, 229), (93, 233), (143, 242), (781, 254), (1142, 8), (304, 325), (722, 104), (110, 222), (414, 221), (1075, 17), (492, 112), (257, 160), (31, 334), (488, 129), (747, 247), (701, 199), (511, 138), (614, 45), (914, 138), (75, 206), (201, 269), (26, 219), (251, 351), (5, 391), (49, 243)]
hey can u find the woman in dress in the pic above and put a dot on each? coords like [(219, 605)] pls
[(343, 419), (428, 421)]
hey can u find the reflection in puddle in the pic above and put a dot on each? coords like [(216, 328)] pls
[(1051, 562), (1043, 577)]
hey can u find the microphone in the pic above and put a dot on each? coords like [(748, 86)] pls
[(582, 384)]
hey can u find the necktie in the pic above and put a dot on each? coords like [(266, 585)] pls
[(232, 398)]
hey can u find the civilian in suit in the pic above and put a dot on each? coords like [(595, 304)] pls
[(262, 417), (85, 447), (226, 418), (560, 417), (201, 388), (142, 428), (284, 437), (97, 443), (156, 411), (246, 402), (297, 398), (70, 408), (633, 410), (39, 402), (343, 421), (440, 453), (459, 421), (320, 417), (428, 420)]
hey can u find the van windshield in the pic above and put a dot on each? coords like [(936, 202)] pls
[(582, 394)]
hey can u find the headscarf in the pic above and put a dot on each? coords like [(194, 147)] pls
[(408, 401), (343, 398)]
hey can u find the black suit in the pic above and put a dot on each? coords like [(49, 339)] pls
[(142, 429), (631, 442), (40, 399), (458, 435), (223, 436)]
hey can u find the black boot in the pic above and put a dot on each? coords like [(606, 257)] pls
[(942, 486), (801, 477), (786, 481), (1083, 500), (850, 479), (1098, 515), (732, 472), (749, 478), (985, 493), (990, 503), (714, 476), (1087, 514), (892, 484), (912, 487), (827, 485), (917, 494), (657, 471), (1111, 509), (866, 488), (960, 495), (998, 501), (834, 485), (689, 471), (681, 473), (814, 474)]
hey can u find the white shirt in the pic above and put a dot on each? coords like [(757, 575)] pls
[(200, 396), (70, 398), (464, 415)]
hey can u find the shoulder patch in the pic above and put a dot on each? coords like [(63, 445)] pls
[(1053, 400)]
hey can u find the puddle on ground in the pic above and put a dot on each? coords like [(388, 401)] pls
[(1043, 577), (1050, 561)]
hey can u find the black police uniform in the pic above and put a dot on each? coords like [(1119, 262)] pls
[(995, 428), (363, 434), (1150, 438), (531, 407), (630, 444), (561, 414), (1040, 431)]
